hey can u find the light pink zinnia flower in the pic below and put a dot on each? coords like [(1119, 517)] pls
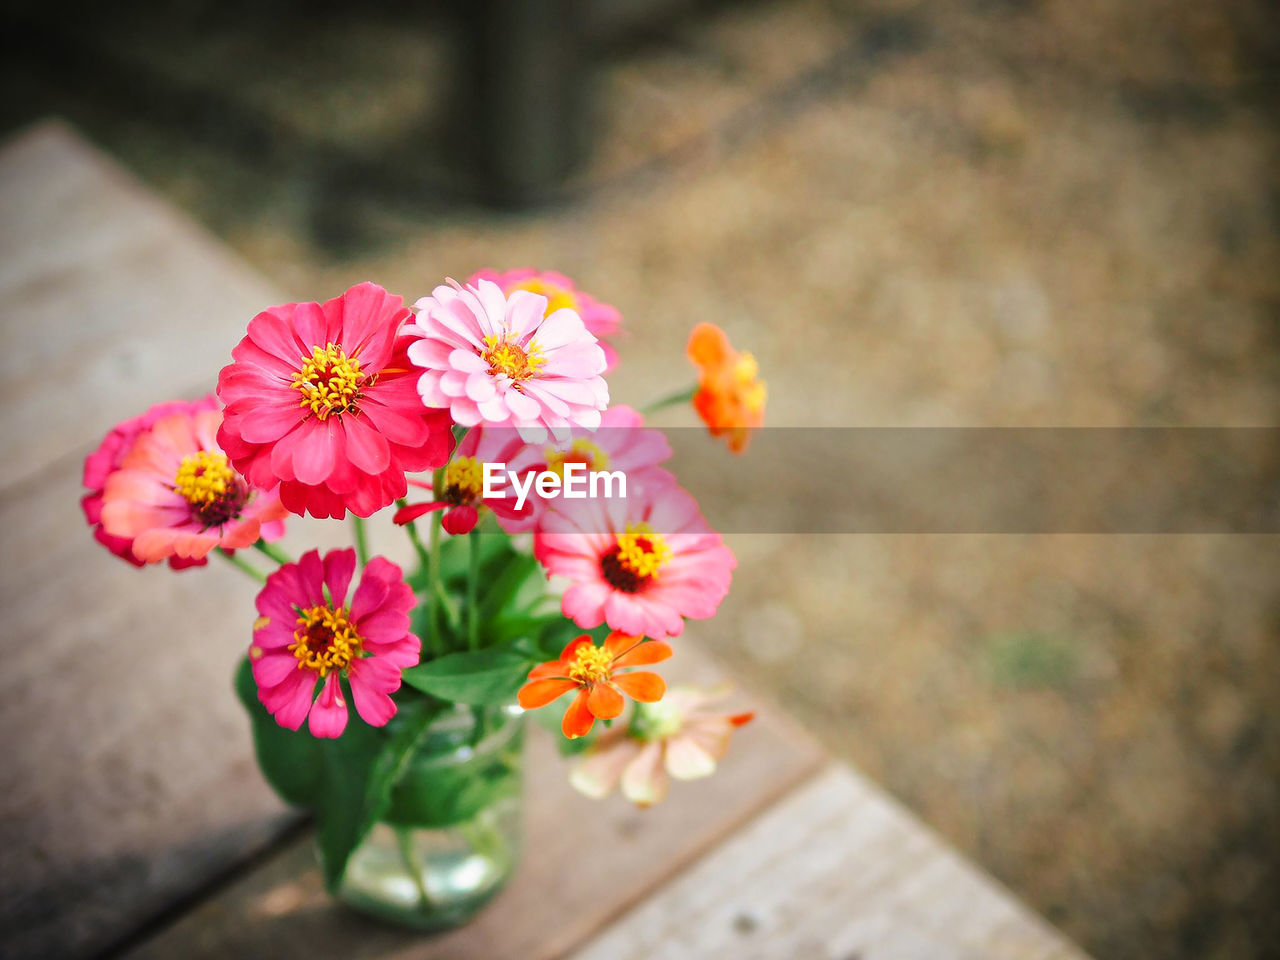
[(642, 563), (490, 358), (175, 495), (601, 319), (321, 400), (303, 636), (107, 459), (684, 736)]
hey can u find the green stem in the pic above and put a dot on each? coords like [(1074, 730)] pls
[(242, 565), (405, 842), (433, 575), (362, 539), (272, 551), (449, 607), (680, 397), (411, 528), (485, 839), (473, 579)]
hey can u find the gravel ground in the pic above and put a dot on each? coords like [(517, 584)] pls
[(1055, 213)]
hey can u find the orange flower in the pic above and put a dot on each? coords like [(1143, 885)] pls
[(592, 670), (730, 396)]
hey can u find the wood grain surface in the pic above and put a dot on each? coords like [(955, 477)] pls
[(128, 779), (836, 871)]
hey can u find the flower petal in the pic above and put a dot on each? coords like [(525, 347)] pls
[(601, 769), (367, 449), (645, 782), (329, 712), (552, 668), (578, 719), (339, 565), (570, 650), (604, 701), (540, 692), (290, 700), (643, 686), (373, 679), (461, 519), (651, 651), (686, 760)]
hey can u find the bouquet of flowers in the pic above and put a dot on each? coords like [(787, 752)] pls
[(559, 559)]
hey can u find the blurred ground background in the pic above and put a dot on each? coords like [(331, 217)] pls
[(991, 212)]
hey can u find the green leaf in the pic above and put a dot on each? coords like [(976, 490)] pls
[(508, 628), (481, 678), (455, 559), (290, 760), (438, 792), (361, 768), (499, 591)]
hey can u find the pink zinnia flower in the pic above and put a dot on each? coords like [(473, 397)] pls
[(107, 459), (490, 358), (621, 444), (461, 498), (174, 494), (600, 319), (641, 564), (684, 737), (305, 634), (321, 400)]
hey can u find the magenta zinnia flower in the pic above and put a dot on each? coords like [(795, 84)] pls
[(492, 358), (600, 319), (321, 400), (174, 494), (107, 459), (641, 564), (305, 634)]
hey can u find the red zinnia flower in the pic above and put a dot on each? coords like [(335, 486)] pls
[(461, 497), (322, 400)]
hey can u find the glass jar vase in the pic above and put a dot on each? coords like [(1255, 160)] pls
[(453, 832)]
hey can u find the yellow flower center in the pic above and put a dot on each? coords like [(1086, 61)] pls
[(558, 298), (641, 551), (751, 391), (329, 381), (324, 640), (213, 489), (203, 478), (580, 451), (590, 664), (463, 480), (507, 358)]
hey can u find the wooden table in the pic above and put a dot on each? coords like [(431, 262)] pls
[(134, 820)]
